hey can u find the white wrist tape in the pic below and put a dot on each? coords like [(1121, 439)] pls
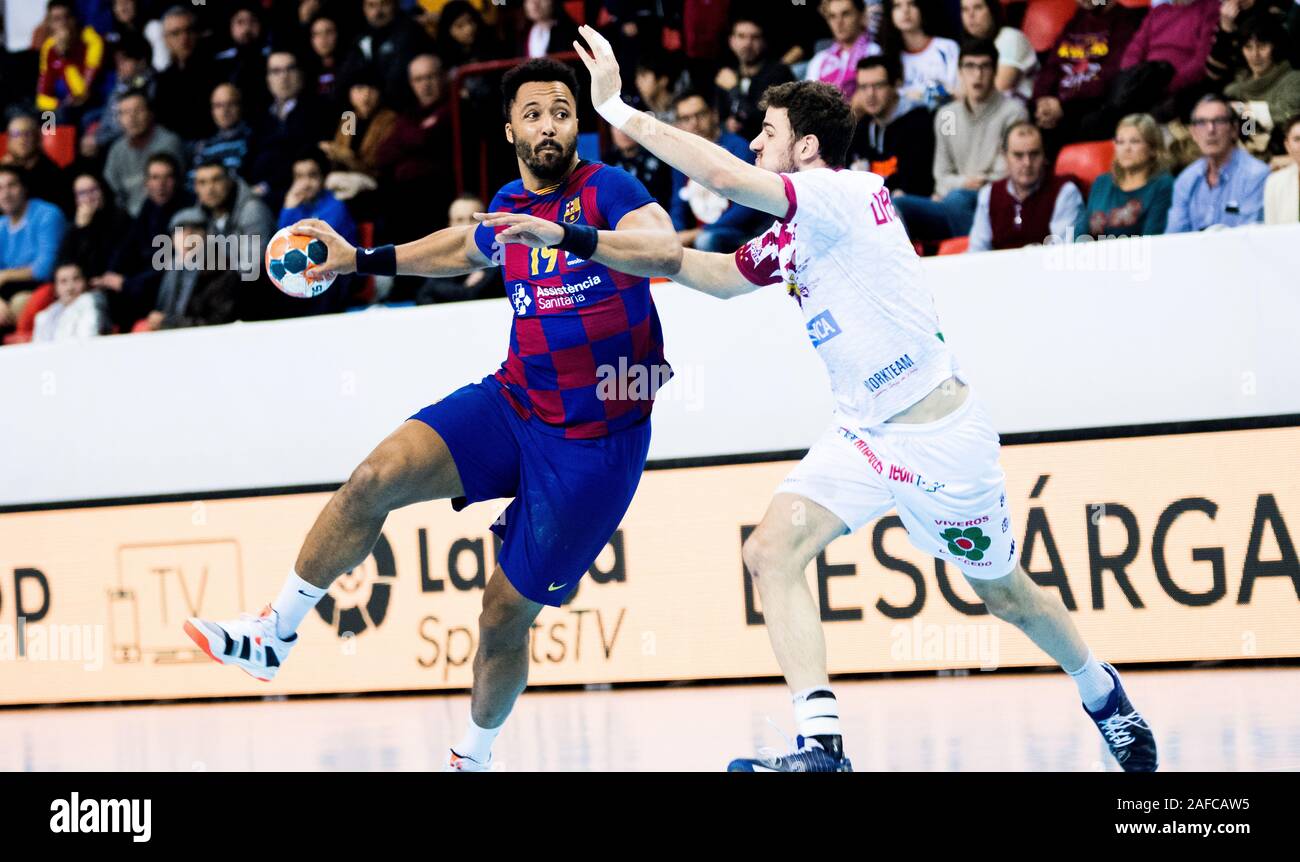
[(617, 112)]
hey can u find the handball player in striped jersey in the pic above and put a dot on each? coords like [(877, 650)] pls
[(908, 433), (553, 427)]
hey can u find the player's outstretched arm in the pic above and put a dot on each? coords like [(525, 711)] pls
[(703, 161), (712, 273), (451, 251), (643, 242)]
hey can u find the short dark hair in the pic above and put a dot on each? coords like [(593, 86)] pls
[(540, 69), (690, 94), (659, 63), (62, 4), (67, 261), (1290, 124), (860, 5), (312, 154), (18, 173), (978, 48), (212, 162), (1017, 126), (164, 158), (134, 46), (1218, 99), (996, 13), (891, 64), (816, 108)]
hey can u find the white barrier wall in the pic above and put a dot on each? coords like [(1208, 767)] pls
[(1165, 329)]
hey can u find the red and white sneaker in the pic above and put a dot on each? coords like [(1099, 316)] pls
[(461, 763), (249, 643)]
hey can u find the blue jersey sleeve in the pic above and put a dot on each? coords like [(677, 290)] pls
[(486, 237), (618, 193)]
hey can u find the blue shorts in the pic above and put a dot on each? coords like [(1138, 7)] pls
[(570, 495)]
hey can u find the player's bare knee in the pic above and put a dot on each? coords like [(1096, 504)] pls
[(370, 488), (763, 556)]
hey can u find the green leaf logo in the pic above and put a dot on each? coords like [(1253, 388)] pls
[(970, 543)]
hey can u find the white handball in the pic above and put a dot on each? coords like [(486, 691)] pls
[(287, 257)]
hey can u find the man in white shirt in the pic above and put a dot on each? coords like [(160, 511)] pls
[(907, 434)]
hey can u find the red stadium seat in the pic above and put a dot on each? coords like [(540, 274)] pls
[(956, 245), (40, 299), (1045, 19), (577, 10), (1085, 162)]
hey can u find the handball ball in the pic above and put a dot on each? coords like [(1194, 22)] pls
[(287, 257)]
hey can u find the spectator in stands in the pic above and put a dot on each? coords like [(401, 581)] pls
[(70, 59), (1070, 91), (634, 27), (929, 61), (141, 138), (741, 84), (233, 139), (1017, 62), (97, 229), (655, 175), (1267, 85), (895, 136), (838, 64), (704, 220), (546, 29), (43, 178), (968, 152), (413, 159), (388, 40), (243, 63), (183, 86), (75, 312), (1225, 59), (294, 120), (480, 284), (1166, 58), (131, 282), (230, 205), (132, 72), (1225, 187), (362, 132), (30, 232), (654, 84), (193, 293), (1282, 188), (1029, 205), (325, 56), (127, 21), (464, 39), (1133, 198), (308, 197)]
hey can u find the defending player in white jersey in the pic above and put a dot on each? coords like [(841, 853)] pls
[(907, 434)]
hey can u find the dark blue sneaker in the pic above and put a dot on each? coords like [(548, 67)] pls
[(807, 757), (1126, 732)]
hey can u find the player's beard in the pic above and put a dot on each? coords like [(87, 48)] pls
[(548, 164)]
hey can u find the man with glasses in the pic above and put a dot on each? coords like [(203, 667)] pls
[(45, 179), (895, 135), (704, 220), (293, 120), (1225, 187), (968, 148)]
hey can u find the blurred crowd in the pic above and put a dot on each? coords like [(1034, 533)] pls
[(140, 135)]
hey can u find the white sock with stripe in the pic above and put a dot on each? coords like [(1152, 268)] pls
[(1095, 685), (296, 599), (817, 712), (476, 744)]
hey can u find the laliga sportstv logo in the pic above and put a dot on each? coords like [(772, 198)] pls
[(521, 299), (359, 599)]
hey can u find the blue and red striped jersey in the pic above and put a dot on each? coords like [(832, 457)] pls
[(586, 346)]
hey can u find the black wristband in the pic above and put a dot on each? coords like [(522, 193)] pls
[(381, 260), (579, 239)]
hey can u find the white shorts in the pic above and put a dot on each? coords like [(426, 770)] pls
[(943, 478)]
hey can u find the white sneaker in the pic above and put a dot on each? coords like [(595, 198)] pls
[(461, 763), (249, 643)]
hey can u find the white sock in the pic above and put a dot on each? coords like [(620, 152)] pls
[(296, 599), (817, 712), (1095, 685), (476, 744)]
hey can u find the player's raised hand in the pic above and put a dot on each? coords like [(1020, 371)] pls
[(523, 229), (342, 257), (606, 82)]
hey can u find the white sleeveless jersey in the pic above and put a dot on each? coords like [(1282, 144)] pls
[(845, 257)]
